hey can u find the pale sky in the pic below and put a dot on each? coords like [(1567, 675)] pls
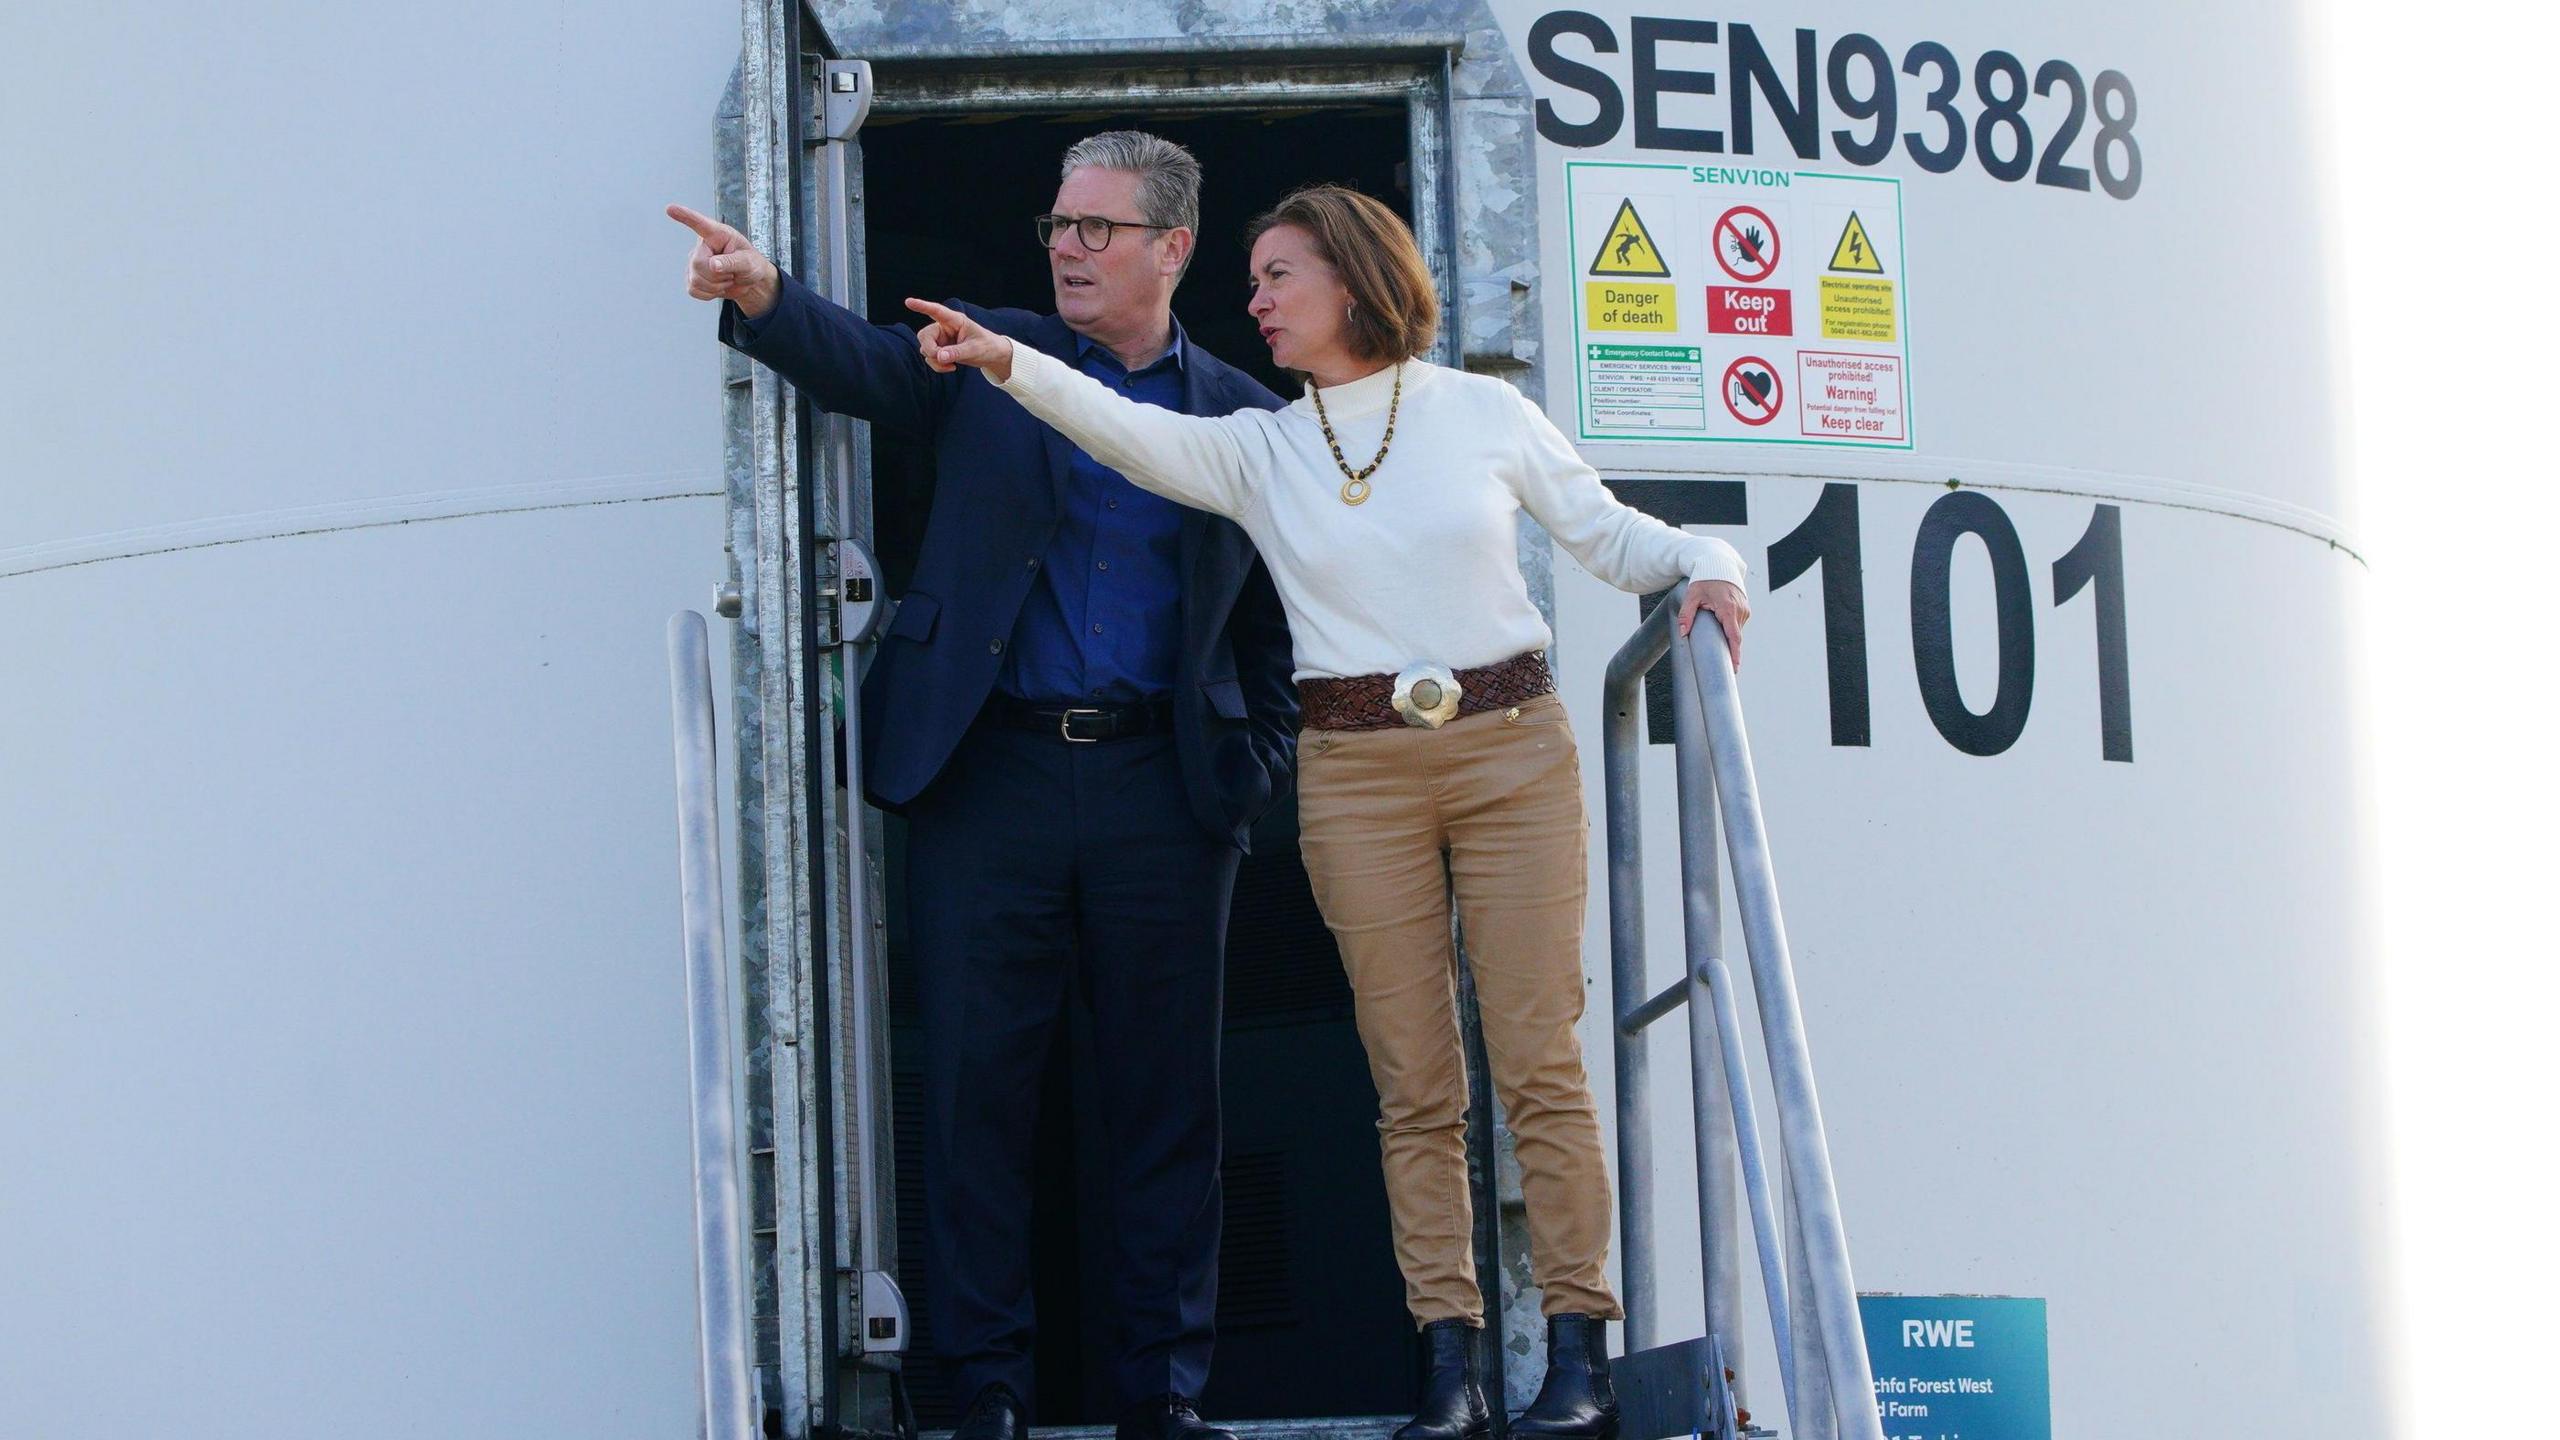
[(2443, 134)]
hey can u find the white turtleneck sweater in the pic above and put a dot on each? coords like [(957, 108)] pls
[(1427, 569)]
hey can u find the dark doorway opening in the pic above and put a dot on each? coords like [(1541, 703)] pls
[(1311, 1317)]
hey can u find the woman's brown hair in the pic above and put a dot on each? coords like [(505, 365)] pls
[(1395, 311)]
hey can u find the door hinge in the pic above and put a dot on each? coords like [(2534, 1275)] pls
[(839, 98), (880, 1316)]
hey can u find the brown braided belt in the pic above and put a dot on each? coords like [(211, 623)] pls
[(1367, 702)]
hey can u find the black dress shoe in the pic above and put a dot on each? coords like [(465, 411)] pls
[(1167, 1417), (1576, 1402), (1453, 1405), (995, 1415)]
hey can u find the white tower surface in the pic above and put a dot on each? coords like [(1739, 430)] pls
[(356, 441)]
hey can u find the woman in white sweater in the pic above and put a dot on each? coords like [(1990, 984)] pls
[(1384, 502)]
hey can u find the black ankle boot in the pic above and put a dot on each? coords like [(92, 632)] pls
[(1577, 1401), (1453, 1404)]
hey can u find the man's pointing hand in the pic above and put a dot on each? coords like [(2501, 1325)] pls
[(725, 267)]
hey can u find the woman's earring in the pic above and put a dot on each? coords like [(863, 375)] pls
[(1346, 314)]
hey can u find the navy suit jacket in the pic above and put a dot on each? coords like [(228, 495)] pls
[(1000, 484)]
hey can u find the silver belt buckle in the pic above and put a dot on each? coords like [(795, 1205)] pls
[(1066, 718), (1427, 695)]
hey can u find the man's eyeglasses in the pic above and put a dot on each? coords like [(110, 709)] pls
[(1094, 231)]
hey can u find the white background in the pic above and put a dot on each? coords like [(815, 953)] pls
[(2460, 523), (188, 303)]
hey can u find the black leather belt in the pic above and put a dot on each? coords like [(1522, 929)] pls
[(1083, 724)]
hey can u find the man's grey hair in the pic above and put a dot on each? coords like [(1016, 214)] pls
[(1168, 175)]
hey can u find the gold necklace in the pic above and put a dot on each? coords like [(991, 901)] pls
[(1355, 483)]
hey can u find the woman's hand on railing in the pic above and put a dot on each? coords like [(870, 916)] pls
[(1722, 599), (954, 340)]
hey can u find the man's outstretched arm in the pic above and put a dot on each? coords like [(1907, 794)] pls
[(844, 362)]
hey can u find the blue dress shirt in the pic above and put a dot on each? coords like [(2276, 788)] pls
[(1104, 623)]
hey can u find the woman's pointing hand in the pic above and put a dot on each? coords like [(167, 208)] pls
[(954, 340)]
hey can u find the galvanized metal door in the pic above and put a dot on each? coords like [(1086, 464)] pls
[(831, 1324)]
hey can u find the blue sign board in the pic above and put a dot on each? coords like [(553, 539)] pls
[(1959, 1367)]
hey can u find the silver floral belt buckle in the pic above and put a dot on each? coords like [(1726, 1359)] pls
[(1427, 695)]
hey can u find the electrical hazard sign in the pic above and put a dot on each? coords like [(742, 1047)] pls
[(1857, 309), (1854, 307), (1628, 248), (1855, 252), (1734, 303)]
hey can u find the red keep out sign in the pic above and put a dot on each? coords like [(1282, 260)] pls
[(1741, 310), (1746, 244)]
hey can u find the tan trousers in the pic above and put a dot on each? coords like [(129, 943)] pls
[(1500, 793)]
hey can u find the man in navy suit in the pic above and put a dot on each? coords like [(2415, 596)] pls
[(1081, 704)]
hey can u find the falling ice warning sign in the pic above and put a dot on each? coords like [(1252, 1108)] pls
[(1738, 304)]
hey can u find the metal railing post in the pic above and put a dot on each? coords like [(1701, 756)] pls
[(1810, 1408), (1626, 985), (1711, 1098), (1803, 1248), (1824, 1244), (729, 1400), (1755, 1181)]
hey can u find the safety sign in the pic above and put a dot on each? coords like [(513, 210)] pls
[(1628, 248), (1713, 304), (1852, 396), (1855, 251), (1619, 297), (1752, 390), (1746, 244), (1854, 309), (1743, 310), (1645, 387)]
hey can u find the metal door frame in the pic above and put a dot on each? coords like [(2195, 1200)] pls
[(1204, 76), (788, 690)]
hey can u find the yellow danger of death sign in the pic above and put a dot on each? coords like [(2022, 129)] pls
[(1628, 248), (1617, 305), (1855, 252)]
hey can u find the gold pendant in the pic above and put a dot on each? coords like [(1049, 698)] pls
[(1354, 491)]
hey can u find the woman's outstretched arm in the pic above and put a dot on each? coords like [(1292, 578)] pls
[(1215, 463)]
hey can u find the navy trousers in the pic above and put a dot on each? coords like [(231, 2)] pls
[(1033, 866)]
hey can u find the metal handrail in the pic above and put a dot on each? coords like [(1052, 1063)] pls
[(1812, 1296), (729, 1399)]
